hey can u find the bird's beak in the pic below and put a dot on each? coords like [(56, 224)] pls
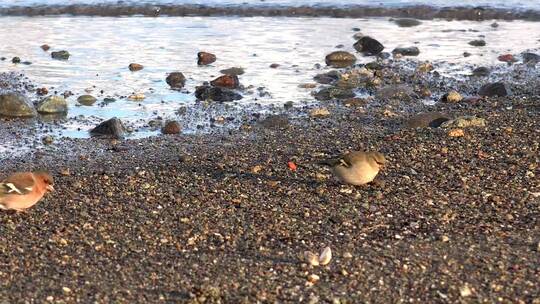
[(50, 188)]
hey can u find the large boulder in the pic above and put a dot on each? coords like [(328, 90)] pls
[(340, 59), (211, 93), (110, 128), (494, 89), (86, 100), (16, 105), (368, 46), (52, 104), (176, 80), (406, 51)]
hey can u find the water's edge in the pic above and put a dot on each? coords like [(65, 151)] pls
[(353, 11)]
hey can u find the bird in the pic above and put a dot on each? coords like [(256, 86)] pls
[(23, 190), (357, 167)]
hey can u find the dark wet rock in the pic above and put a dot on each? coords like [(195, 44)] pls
[(407, 22), (340, 46), (481, 72), (374, 65), (494, 25), (355, 29), (135, 67), (327, 78), (205, 58), (109, 128), (212, 93), (368, 46), (395, 91), (171, 127), (16, 60), (42, 91), (477, 42), (233, 71), (530, 57), (52, 104), (406, 51), (226, 81), (509, 58), (45, 47), (61, 55), (340, 59), (26, 62), (86, 100), (280, 121), (424, 120), (334, 93), (274, 65), (3, 58), (176, 80), (16, 105), (466, 54), (494, 89)]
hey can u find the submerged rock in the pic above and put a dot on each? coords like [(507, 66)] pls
[(368, 46), (109, 128), (86, 100), (52, 104), (340, 59), (226, 81), (407, 22), (16, 105), (135, 67), (494, 89), (171, 127), (16, 60), (176, 80), (406, 51), (477, 42), (204, 58), (233, 71), (424, 120), (61, 55), (211, 93), (481, 72)]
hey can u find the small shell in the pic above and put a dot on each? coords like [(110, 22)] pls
[(326, 256), (311, 258)]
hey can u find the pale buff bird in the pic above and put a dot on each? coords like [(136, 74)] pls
[(357, 167), (23, 190)]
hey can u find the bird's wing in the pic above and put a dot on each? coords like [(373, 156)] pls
[(350, 158), (18, 183)]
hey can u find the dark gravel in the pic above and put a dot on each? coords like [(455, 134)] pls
[(220, 218)]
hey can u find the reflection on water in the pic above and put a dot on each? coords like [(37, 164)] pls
[(102, 48)]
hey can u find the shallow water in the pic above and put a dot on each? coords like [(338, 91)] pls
[(101, 49), (509, 4)]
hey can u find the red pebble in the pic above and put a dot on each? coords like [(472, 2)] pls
[(291, 166)]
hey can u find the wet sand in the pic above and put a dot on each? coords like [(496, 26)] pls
[(220, 218)]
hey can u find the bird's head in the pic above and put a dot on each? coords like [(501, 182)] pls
[(378, 158), (46, 179)]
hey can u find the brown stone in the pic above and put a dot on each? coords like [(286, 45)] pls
[(45, 47), (226, 81), (176, 80), (135, 67), (171, 127), (205, 58)]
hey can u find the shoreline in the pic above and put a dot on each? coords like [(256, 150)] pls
[(354, 11)]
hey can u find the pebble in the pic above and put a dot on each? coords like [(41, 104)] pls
[(135, 67), (456, 133), (319, 112), (205, 58)]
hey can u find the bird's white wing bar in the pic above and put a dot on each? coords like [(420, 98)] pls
[(12, 188)]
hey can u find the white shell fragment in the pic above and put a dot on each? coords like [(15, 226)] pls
[(311, 258), (326, 256)]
